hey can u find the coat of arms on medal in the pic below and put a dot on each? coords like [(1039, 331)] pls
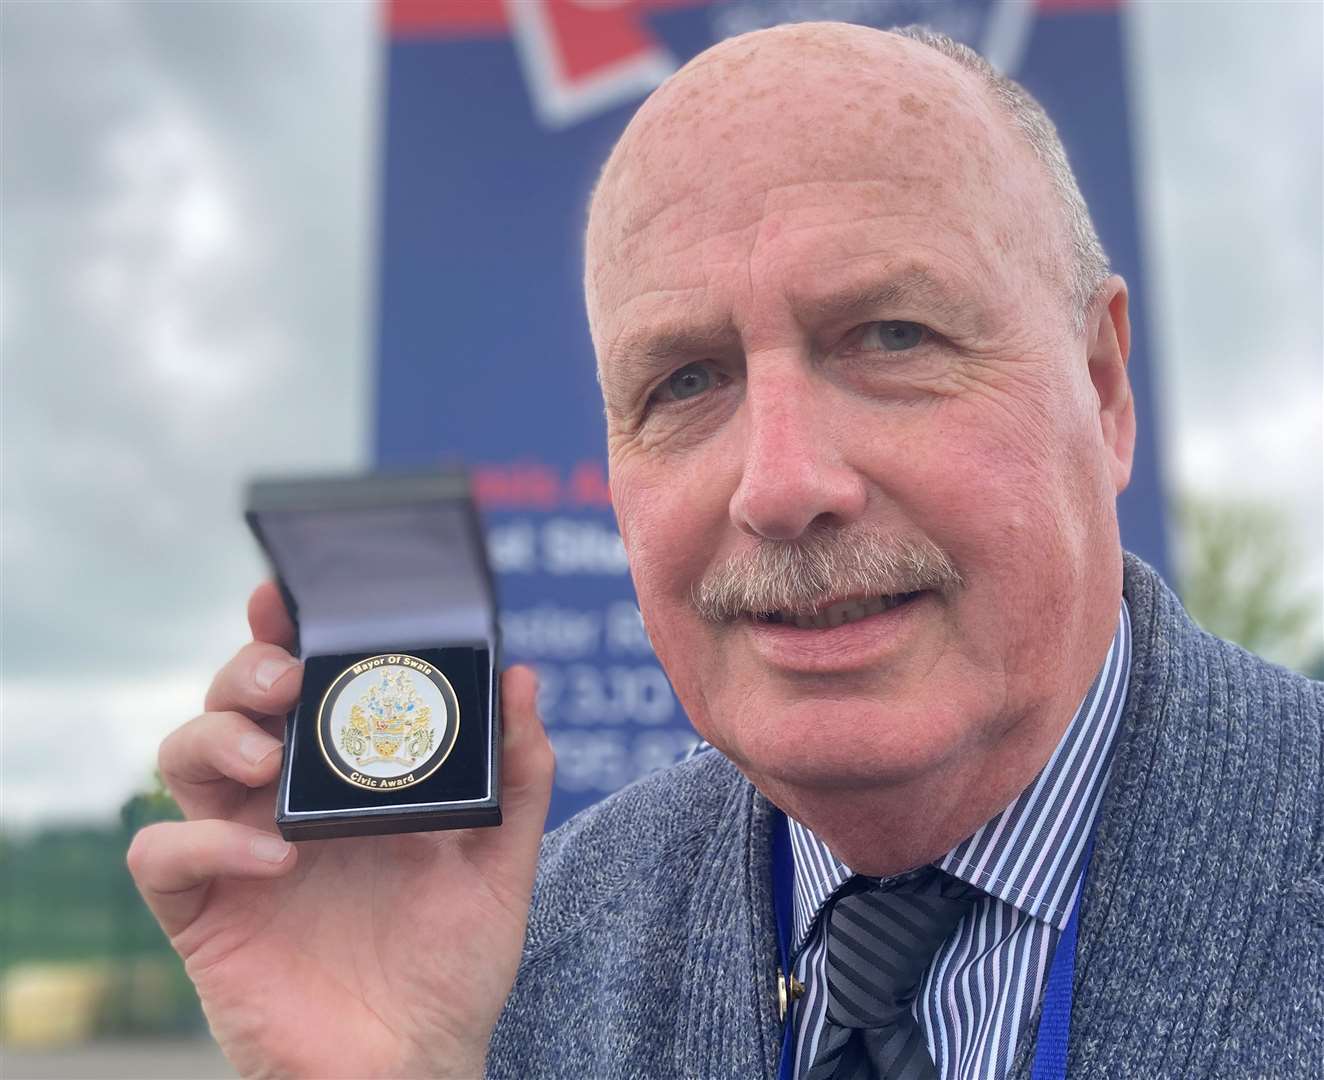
[(388, 722)]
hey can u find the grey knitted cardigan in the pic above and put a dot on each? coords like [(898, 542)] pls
[(651, 949)]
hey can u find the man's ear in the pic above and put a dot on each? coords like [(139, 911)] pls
[(1109, 344)]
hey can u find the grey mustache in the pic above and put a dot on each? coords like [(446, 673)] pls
[(796, 576)]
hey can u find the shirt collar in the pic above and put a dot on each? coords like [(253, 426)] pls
[(1030, 854)]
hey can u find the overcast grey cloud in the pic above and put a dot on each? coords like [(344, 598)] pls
[(1232, 142), (186, 209)]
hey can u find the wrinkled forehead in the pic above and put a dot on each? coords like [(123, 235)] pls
[(767, 122)]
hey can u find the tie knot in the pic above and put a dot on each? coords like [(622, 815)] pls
[(880, 940)]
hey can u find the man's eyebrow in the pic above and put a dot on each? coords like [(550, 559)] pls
[(636, 358), (915, 290)]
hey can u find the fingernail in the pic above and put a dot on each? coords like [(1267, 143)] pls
[(256, 746), (268, 671), (269, 848)]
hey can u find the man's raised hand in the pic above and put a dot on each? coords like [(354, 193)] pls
[(364, 956)]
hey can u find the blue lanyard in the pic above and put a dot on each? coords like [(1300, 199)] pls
[(783, 882), (1050, 1056)]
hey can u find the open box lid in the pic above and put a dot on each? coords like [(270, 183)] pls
[(377, 562)]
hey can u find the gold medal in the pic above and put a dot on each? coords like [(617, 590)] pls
[(388, 722)]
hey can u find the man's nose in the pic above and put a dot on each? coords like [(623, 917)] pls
[(795, 472)]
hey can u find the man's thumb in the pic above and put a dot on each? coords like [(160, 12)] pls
[(528, 763)]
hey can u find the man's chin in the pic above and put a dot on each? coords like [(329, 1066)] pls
[(860, 748), (829, 776)]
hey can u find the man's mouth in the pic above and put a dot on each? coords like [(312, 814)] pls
[(835, 613)]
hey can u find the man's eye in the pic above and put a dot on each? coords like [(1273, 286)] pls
[(689, 381), (893, 335)]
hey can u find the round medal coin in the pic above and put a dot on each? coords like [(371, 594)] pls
[(388, 722)]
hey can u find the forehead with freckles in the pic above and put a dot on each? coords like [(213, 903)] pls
[(798, 127)]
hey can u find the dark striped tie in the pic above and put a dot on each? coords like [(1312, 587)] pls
[(880, 940)]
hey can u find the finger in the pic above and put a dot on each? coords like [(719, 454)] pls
[(527, 767), (528, 763), (267, 617), (210, 763), (173, 863), (261, 680)]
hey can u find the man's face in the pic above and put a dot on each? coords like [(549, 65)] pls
[(828, 319)]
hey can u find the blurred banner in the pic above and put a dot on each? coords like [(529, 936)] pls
[(499, 113)]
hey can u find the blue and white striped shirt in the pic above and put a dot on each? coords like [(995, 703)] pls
[(983, 985)]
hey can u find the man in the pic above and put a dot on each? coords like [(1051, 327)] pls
[(865, 380)]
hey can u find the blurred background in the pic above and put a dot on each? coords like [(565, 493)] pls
[(272, 238)]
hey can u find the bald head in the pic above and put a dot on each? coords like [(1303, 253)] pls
[(836, 102)]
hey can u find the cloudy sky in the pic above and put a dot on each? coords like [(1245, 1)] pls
[(185, 274)]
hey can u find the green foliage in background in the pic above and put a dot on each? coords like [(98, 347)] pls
[(1238, 579), (66, 895)]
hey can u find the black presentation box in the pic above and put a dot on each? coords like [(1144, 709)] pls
[(387, 580)]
